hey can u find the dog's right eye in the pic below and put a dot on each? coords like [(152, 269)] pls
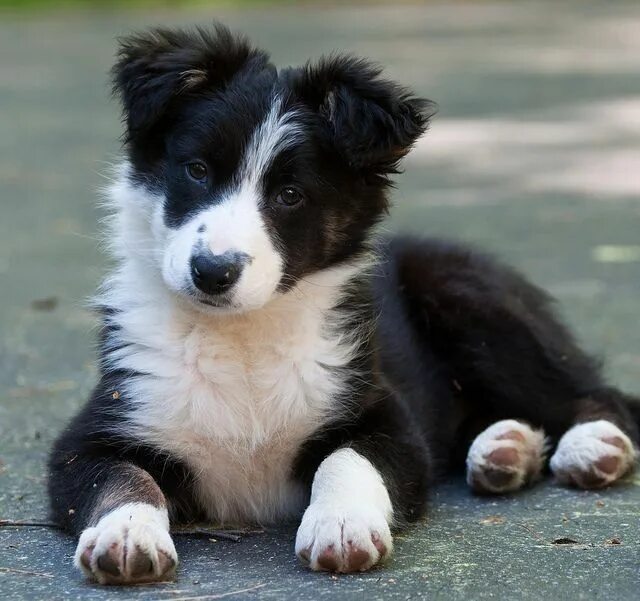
[(197, 171)]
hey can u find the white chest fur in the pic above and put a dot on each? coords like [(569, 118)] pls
[(234, 397)]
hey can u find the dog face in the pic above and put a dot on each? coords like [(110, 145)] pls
[(258, 177)]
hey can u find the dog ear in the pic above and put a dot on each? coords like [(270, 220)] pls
[(374, 122), (156, 67)]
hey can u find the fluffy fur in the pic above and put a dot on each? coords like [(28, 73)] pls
[(264, 356)]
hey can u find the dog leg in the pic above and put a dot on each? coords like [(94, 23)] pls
[(130, 544), (121, 515), (346, 527), (505, 457), (593, 454)]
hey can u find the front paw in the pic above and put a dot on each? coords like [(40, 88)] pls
[(131, 544), (343, 539)]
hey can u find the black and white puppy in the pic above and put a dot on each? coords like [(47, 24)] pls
[(262, 357)]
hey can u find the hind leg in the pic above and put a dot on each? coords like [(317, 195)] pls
[(509, 357), (599, 449), (505, 457), (510, 455), (593, 455)]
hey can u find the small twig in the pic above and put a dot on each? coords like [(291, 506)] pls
[(222, 595), (234, 538), (167, 583), (28, 523), (25, 572), (532, 532), (231, 535)]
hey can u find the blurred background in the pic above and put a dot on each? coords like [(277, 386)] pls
[(534, 154)]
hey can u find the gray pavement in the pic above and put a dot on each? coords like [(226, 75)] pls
[(535, 153)]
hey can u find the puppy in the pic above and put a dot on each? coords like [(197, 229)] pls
[(264, 357)]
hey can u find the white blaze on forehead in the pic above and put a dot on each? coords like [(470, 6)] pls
[(237, 221), (276, 133)]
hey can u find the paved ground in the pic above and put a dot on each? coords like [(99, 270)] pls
[(535, 154)]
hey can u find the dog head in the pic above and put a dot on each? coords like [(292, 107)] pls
[(252, 178)]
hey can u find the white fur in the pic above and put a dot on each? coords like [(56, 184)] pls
[(232, 395), (278, 131), (531, 454), (234, 224), (583, 445), (131, 528), (350, 509)]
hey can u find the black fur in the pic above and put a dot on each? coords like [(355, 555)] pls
[(157, 68), (372, 121)]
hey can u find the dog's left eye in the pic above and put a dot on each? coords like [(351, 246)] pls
[(197, 171), (289, 196)]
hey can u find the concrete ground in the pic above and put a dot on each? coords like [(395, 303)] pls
[(535, 154)]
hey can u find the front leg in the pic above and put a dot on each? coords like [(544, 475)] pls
[(122, 516), (374, 476), (131, 544), (346, 527)]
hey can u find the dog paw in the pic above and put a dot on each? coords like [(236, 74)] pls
[(593, 455), (339, 539), (505, 457), (131, 544)]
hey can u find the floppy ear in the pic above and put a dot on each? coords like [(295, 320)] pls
[(156, 67), (373, 122)]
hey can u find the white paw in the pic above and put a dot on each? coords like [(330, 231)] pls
[(593, 455), (339, 538), (505, 457), (129, 544)]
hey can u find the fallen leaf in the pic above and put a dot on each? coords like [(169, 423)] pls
[(564, 540), (493, 519)]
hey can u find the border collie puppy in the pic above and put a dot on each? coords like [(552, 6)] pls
[(263, 357)]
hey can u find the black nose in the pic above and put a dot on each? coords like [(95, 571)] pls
[(215, 274)]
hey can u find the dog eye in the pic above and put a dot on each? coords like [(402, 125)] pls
[(197, 171), (289, 196)]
